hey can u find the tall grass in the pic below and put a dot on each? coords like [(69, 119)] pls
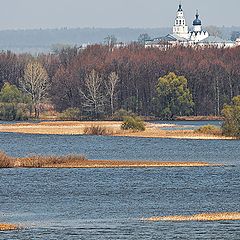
[(8, 227), (39, 161), (97, 130), (209, 129), (221, 216), (48, 161), (6, 161)]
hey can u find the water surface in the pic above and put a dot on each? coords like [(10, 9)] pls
[(110, 203)]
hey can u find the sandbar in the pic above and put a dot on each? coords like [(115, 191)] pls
[(8, 227), (153, 130), (220, 216)]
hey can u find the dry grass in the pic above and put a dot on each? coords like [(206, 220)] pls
[(58, 127), (97, 130), (78, 161), (174, 134), (209, 130), (111, 128), (8, 227), (48, 161), (6, 161), (221, 216)]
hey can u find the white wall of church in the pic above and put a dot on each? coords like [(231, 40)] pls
[(199, 36)]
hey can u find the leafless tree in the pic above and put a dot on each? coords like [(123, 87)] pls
[(111, 85), (35, 82), (92, 94)]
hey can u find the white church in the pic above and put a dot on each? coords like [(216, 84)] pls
[(184, 37)]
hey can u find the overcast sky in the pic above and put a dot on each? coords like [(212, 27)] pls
[(25, 14)]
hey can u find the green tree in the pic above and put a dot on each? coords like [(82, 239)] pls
[(231, 114), (10, 94), (12, 103), (173, 97)]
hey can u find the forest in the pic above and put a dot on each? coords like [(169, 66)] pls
[(100, 80)]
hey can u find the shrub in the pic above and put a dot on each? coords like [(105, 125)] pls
[(133, 123), (97, 130), (231, 114), (209, 129), (12, 111), (71, 114)]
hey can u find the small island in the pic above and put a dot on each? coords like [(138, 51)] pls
[(78, 161), (110, 128), (221, 216), (8, 227)]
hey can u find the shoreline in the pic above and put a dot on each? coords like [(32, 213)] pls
[(153, 130)]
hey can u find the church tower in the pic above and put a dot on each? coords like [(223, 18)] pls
[(197, 34), (197, 24), (180, 27)]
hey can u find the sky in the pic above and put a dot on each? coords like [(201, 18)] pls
[(35, 14)]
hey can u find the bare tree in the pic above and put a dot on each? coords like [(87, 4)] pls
[(35, 82), (110, 40), (111, 85), (92, 94)]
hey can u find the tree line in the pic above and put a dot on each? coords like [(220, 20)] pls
[(100, 80)]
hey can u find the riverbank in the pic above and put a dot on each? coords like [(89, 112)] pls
[(8, 227), (79, 161), (227, 216), (113, 128)]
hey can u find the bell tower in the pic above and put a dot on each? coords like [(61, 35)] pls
[(180, 26)]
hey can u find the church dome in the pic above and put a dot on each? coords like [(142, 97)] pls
[(197, 21)]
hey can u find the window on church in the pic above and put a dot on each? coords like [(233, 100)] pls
[(183, 22), (180, 22), (177, 22)]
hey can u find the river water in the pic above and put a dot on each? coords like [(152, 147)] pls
[(111, 203)]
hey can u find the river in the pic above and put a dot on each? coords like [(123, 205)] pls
[(111, 203)]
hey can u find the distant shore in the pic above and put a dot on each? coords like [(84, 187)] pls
[(153, 130)]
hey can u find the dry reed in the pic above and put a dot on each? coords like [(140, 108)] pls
[(78, 161), (6, 161), (48, 161), (97, 130), (209, 130), (8, 227), (221, 216), (105, 128), (39, 161)]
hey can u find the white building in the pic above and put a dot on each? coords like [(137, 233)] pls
[(180, 27), (198, 34), (182, 36)]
